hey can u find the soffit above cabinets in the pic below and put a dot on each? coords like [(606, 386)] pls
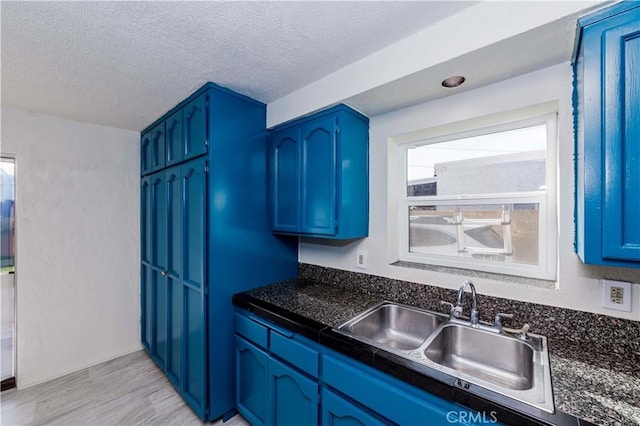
[(533, 50), (486, 43)]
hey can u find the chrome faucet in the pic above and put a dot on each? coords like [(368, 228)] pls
[(455, 313), (473, 319)]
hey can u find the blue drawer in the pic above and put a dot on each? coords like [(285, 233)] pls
[(251, 330), (380, 393), (295, 353)]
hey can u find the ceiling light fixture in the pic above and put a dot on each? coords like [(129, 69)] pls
[(454, 81)]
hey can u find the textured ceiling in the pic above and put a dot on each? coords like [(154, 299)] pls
[(123, 64)]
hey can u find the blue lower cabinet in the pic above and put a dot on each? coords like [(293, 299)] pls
[(279, 381), (337, 411), (252, 382), (294, 397), (269, 392)]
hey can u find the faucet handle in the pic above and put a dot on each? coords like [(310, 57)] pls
[(497, 322), (454, 310), (449, 304), (523, 333)]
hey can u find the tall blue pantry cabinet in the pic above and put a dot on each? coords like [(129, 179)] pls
[(205, 235)]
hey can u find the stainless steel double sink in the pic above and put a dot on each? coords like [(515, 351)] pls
[(492, 363)]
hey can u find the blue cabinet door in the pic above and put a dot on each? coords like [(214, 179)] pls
[(621, 79), (252, 382), (157, 148), (158, 270), (607, 101), (193, 251), (146, 300), (285, 180), (293, 396), (152, 150), (318, 176), (174, 138), (195, 126), (146, 306), (173, 275), (337, 411), (145, 154)]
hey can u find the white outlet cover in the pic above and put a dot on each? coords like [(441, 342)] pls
[(361, 259), (625, 306)]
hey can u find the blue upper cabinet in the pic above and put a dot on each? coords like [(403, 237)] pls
[(183, 135), (320, 175), (194, 123), (174, 138), (152, 150), (607, 118)]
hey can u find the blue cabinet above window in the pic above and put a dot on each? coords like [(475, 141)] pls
[(607, 125), (319, 175)]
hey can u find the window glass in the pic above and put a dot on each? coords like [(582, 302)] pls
[(498, 232), (502, 162)]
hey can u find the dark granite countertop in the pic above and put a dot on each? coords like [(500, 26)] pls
[(587, 384)]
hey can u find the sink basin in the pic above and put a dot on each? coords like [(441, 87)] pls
[(394, 325), (495, 358), (481, 359)]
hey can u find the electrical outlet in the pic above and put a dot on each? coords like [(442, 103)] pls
[(616, 295), (361, 260)]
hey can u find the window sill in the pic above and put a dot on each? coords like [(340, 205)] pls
[(469, 273)]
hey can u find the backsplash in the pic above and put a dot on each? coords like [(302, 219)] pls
[(611, 341)]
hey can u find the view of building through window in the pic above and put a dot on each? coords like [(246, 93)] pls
[(509, 161)]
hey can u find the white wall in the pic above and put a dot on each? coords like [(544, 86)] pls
[(77, 230), (578, 286)]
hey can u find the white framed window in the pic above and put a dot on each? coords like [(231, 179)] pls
[(481, 199)]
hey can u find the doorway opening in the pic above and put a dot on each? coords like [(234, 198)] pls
[(8, 271)]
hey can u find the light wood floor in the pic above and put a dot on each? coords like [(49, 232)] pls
[(129, 390)]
